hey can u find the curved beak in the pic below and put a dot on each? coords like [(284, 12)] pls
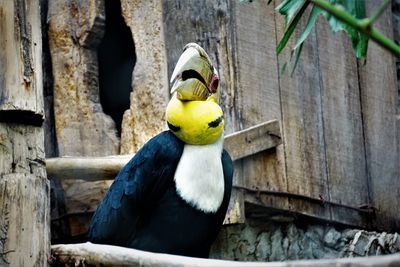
[(194, 76)]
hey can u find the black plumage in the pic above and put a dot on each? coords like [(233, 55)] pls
[(143, 210)]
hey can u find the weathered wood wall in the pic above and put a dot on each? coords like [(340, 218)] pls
[(340, 139), (325, 110), (24, 188), (381, 127)]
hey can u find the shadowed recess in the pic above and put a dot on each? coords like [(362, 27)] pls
[(116, 55)]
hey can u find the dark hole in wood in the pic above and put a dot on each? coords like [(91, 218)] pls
[(116, 55), (21, 117)]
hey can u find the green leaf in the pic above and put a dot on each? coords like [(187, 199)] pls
[(289, 8), (291, 27), (310, 24), (296, 61), (358, 39)]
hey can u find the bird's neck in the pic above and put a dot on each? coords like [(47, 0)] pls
[(199, 176), (195, 122)]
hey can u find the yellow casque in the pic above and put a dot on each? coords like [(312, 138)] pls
[(195, 122)]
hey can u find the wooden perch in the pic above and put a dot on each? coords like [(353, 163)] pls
[(88, 254), (86, 168), (240, 144)]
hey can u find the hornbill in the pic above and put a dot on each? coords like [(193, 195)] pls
[(173, 195)]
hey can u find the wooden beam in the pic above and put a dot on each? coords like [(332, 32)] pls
[(86, 168), (240, 144), (253, 140), (104, 255)]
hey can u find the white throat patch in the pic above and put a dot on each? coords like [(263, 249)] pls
[(199, 177)]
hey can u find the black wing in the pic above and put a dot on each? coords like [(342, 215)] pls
[(137, 185), (227, 166)]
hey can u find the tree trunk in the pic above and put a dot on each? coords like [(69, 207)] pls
[(24, 188), (82, 129)]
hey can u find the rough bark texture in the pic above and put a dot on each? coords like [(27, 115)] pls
[(24, 188), (24, 197), (20, 57), (150, 94), (82, 129)]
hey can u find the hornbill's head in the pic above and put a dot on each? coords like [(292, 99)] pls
[(193, 113), (194, 76)]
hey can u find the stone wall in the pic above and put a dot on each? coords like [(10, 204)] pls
[(259, 240)]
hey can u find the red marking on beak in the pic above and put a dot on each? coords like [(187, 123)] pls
[(214, 84)]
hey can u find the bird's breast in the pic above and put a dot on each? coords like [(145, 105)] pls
[(199, 177)]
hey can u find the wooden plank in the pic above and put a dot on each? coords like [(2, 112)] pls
[(21, 97), (302, 124), (257, 90), (253, 139), (342, 124), (263, 136), (379, 103), (211, 25), (104, 255), (264, 205)]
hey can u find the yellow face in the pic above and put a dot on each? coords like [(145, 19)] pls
[(195, 122)]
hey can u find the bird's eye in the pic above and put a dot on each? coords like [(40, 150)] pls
[(214, 84)]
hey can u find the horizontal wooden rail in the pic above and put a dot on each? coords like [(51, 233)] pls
[(88, 254), (253, 140), (239, 144)]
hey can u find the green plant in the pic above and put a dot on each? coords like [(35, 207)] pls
[(342, 15)]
